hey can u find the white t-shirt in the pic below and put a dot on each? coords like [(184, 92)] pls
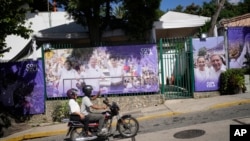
[(201, 76), (235, 64), (73, 106), (85, 106), (116, 74), (214, 75), (64, 85), (92, 76)]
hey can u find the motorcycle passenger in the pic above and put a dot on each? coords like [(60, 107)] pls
[(87, 104), (75, 112)]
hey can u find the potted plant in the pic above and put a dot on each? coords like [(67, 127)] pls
[(232, 82)]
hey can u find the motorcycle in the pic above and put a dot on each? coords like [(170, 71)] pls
[(126, 125)]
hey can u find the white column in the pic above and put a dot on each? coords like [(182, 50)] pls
[(34, 49)]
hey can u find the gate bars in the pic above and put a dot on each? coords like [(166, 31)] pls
[(176, 68)]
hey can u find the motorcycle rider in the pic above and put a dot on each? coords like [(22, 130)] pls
[(75, 112), (87, 104)]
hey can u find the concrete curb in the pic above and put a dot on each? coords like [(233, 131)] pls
[(37, 135), (229, 104)]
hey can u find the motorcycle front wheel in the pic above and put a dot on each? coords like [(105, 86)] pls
[(128, 127), (76, 134)]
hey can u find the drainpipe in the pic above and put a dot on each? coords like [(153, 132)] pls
[(153, 35), (34, 48), (49, 16)]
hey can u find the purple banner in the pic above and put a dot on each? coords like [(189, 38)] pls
[(238, 46), (110, 69), (209, 62), (22, 87)]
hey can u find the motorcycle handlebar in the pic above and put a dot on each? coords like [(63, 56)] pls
[(106, 102)]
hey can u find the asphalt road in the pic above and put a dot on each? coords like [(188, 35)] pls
[(183, 120)]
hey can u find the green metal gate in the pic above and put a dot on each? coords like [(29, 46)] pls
[(176, 68)]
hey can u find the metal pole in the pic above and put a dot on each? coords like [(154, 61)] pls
[(226, 47), (161, 64)]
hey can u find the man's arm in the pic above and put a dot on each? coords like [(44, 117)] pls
[(98, 107), (96, 96)]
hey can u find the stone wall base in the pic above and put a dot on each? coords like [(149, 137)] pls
[(126, 103), (206, 94)]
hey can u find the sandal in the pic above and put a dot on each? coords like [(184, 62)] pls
[(89, 134)]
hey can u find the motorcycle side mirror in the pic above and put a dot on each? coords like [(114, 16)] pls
[(106, 100), (106, 97)]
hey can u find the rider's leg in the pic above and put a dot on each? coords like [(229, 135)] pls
[(85, 122), (97, 117)]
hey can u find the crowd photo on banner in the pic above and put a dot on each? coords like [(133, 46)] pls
[(111, 70)]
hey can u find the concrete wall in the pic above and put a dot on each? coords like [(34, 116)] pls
[(126, 103), (247, 82)]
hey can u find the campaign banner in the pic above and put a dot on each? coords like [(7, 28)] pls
[(238, 46), (109, 69), (209, 62), (22, 87)]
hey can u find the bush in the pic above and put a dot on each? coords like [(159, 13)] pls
[(232, 81), (61, 111)]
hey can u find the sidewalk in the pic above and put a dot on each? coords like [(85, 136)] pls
[(169, 108)]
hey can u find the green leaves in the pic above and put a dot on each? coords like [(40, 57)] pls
[(231, 80), (140, 15), (13, 19)]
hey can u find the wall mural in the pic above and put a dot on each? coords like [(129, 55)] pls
[(109, 69), (209, 62), (22, 87)]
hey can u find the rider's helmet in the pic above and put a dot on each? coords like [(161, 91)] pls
[(71, 93), (87, 90)]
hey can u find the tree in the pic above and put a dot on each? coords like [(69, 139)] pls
[(243, 7), (178, 8), (215, 17), (12, 21), (119, 12), (140, 16), (94, 14), (98, 16), (217, 10), (208, 9), (40, 5), (192, 9)]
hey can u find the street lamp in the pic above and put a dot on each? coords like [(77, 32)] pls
[(203, 37)]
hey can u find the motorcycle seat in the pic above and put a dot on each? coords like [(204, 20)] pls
[(75, 123)]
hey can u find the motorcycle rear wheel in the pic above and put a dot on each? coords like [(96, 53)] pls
[(76, 133), (129, 127)]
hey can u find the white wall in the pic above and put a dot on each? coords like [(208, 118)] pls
[(39, 21)]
